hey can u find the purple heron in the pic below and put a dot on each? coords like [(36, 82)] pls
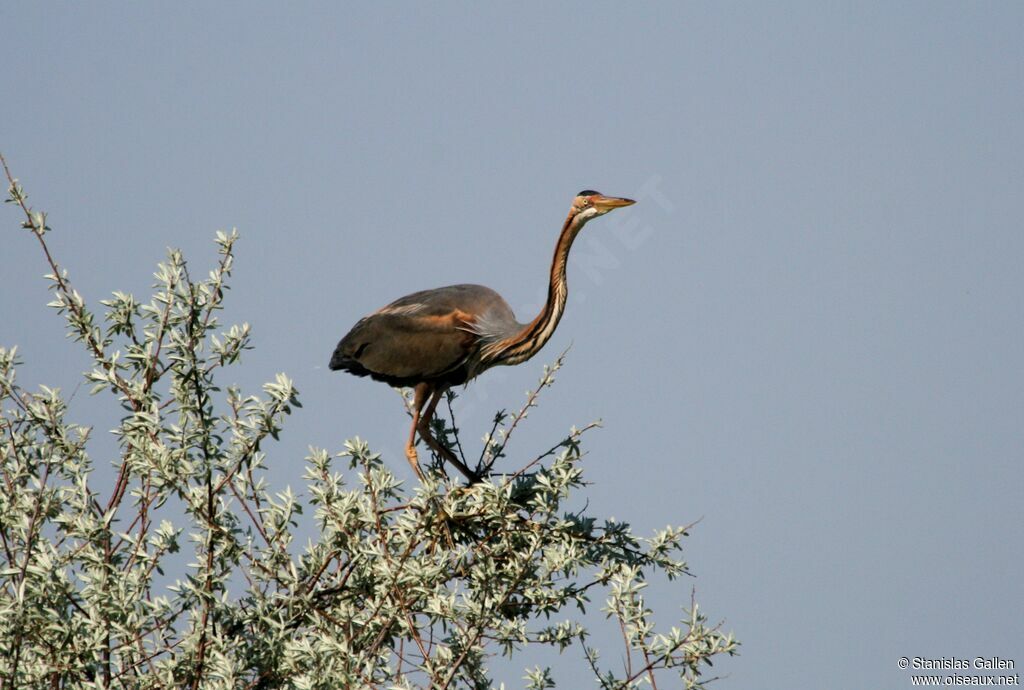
[(435, 339)]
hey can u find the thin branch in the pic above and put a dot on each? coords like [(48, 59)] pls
[(531, 401)]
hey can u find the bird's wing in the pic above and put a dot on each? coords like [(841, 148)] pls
[(471, 299), (425, 335)]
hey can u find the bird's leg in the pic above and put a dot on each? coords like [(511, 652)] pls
[(435, 445), (419, 398)]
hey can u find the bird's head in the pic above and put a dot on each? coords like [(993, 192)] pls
[(589, 204)]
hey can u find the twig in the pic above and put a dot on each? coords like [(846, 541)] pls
[(531, 401), (448, 395)]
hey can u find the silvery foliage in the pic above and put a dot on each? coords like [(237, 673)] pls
[(402, 586)]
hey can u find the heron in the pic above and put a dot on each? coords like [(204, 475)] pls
[(435, 339)]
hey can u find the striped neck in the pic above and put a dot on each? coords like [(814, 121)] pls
[(527, 342)]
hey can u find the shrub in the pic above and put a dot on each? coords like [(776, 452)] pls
[(401, 586)]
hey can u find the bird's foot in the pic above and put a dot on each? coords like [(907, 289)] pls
[(413, 458)]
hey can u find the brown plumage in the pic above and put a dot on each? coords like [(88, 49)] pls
[(434, 339)]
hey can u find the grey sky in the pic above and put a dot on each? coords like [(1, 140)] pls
[(809, 332)]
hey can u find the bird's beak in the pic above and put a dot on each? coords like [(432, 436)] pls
[(606, 203)]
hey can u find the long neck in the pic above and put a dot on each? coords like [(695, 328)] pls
[(527, 342)]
